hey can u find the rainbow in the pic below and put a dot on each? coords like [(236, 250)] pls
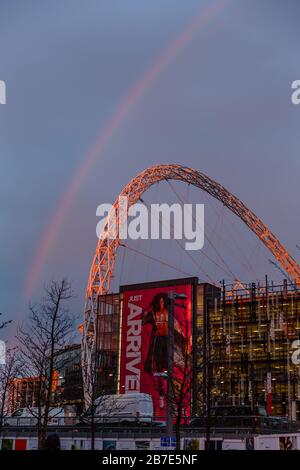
[(134, 94)]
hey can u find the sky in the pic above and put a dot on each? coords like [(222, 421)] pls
[(221, 104)]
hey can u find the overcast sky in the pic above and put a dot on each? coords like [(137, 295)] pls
[(222, 106)]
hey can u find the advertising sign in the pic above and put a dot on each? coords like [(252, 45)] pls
[(144, 346)]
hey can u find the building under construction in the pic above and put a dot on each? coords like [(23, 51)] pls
[(253, 333), (243, 343)]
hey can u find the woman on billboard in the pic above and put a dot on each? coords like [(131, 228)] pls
[(157, 356)]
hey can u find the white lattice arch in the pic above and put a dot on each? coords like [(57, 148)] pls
[(105, 255)]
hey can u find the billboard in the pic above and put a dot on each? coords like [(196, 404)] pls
[(144, 341)]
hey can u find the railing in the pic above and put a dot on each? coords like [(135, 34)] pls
[(84, 421), (254, 424), (130, 424)]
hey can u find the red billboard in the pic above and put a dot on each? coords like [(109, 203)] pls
[(144, 343)]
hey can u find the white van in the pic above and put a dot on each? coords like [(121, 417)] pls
[(28, 417), (123, 408)]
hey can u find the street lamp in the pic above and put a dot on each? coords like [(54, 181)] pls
[(180, 296)]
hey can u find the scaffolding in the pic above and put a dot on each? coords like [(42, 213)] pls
[(252, 334)]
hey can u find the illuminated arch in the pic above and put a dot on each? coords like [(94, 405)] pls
[(104, 259)]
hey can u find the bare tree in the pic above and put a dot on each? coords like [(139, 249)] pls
[(8, 372), (4, 323), (180, 382), (91, 396), (97, 397), (177, 393), (48, 330)]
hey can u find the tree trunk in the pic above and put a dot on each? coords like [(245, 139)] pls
[(41, 440), (44, 431), (93, 432), (4, 395), (177, 431), (2, 413)]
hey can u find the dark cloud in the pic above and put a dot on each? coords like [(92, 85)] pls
[(222, 106)]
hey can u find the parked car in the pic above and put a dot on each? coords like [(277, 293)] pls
[(232, 416), (280, 424), (120, 409)]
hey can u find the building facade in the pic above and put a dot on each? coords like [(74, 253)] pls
[(244, 343), (253, 336), (132, 340), (67, 387)]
